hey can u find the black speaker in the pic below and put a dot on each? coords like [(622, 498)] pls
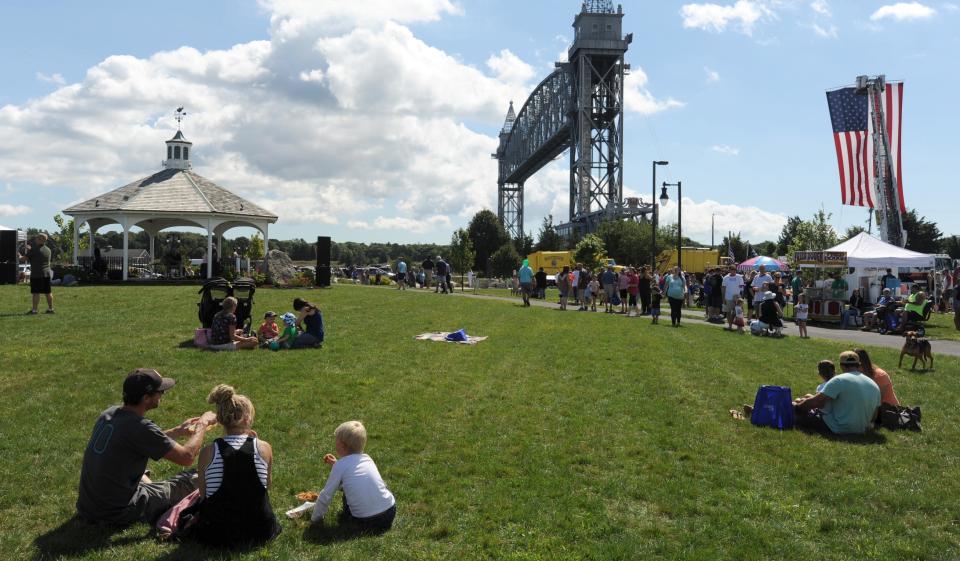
[(322, 278), (8, 273), (8, 246)]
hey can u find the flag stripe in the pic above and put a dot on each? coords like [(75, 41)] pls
[(843, 176)]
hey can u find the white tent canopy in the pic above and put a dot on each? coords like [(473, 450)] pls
[(866, 251)]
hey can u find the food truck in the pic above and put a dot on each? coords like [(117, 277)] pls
[(826, 304)]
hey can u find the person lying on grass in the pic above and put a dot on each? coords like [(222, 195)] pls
[(846, 404), (310, 320), (113, 486), (224, 335), (367, 503)]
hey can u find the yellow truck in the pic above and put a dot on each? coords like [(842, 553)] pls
[(551, 261), (695, 260)]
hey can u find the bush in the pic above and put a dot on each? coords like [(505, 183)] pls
[(505, 260)]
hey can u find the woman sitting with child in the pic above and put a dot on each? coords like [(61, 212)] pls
[(234, 476), (310, 320), (224, 335)]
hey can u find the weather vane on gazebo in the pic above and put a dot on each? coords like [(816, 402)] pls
[(179, 114)]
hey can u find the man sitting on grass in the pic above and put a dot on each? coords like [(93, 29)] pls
[(114, 488), (846, 404)]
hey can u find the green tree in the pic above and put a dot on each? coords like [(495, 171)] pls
[(626, 241), (461, 253), (487, 235), (524, 244), (256, 250), (548, 239), (736, 243), (922, 235), (814, 235), (589, 251), (61, 241), (852, 232), (505, 260), (787, 234), (951, 246)]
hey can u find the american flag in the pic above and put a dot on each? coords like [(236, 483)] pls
[(853, 139)]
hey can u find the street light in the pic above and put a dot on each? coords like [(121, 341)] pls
[(653, 201), (663, 200)]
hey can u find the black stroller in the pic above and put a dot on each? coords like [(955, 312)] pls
[(214, 291)]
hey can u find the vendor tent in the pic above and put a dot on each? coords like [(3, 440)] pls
[(769, 263), (864, 251), (21, 235)]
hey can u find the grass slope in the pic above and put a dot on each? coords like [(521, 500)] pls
[(564, 436)]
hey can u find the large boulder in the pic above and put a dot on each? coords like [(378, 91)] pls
[(280, 268)]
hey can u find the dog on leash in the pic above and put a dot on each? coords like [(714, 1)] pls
[(918, 348)]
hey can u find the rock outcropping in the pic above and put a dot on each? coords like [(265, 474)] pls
[(280, 268)]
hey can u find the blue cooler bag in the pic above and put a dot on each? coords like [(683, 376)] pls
[(773, 407)]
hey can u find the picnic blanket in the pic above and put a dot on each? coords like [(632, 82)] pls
[(443, 337)]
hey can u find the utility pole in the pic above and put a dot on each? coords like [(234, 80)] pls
[(653, 200), (712, 214), (663, 199)]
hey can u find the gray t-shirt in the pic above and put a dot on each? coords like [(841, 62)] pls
[(114, 461), (39, 257)]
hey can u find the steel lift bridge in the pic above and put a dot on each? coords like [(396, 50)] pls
[(579, 108)]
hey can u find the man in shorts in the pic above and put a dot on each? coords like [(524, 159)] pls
[(114, 488), (732, 288), (758, 288), (39, 257), (401, 274), (526, 283)]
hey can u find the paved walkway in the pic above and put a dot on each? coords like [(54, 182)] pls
[(859, 338)]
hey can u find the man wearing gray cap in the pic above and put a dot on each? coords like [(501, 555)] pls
[(113, 486)]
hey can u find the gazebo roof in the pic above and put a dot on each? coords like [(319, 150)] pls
[(173, 191)]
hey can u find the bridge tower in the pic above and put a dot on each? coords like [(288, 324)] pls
[(597, 69), (509, 195)]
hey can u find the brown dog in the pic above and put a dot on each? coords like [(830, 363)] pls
[(918, 348)]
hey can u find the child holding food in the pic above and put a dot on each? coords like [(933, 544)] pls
[(268, 329), (367, 502)]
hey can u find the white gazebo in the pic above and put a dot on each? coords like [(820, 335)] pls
[(174, 197)]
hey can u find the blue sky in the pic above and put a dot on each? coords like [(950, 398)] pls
[(379, 128)]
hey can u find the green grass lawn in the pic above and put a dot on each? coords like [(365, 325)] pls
[(563, 436)]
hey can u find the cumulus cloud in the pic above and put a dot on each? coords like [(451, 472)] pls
[(54, 78), (744, 14), (13, 210), (903, 11), (415, 225), (753, 223), (508, 68), (712, 75), (637, 98), (725, 150), (821, 7), (827, 31)]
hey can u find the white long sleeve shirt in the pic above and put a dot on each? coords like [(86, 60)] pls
[(366, 493)]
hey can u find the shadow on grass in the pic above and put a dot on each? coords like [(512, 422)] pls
[(76, 537), (870, 437), (192, 551), (324, 534)]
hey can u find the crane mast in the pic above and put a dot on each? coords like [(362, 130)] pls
[(889, 217)]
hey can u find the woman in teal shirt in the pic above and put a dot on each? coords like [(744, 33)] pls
[(676, 285)]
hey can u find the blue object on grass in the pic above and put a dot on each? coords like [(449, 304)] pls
[(773, 407), (459, 335)]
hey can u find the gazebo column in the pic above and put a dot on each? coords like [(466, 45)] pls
[(152, 238), (266, 248), (209, 249), (126, 250), (76, 242)]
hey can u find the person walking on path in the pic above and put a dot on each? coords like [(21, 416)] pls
[(563, 285), (401, 274), (113, 486), (427, 267), (39, 257), (675, 284), (525, 276), (644, 290), (442, 270), (541, 278)]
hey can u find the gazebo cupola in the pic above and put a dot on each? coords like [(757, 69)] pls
[(178, 152)]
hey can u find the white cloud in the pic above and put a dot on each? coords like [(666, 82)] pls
[(712, 75), (725, 150), (637, 98), (950, 7), (415, 225), (508, 68), (13, 210), (315, 75), (290, 19), (903, 11), (753, 223), (827, 32), (716, 18), (54, 78), (821, 7)]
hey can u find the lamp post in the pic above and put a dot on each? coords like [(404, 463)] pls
[(653, 201), (663, 200)]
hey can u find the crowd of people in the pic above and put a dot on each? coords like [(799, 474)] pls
[(223, 501), (302, 330)]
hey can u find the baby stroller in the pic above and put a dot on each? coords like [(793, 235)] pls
[(215, 291)]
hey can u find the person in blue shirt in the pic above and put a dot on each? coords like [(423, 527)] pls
[(869, 318), (401, 274), (675, 285), (846, 404), (526, 282)]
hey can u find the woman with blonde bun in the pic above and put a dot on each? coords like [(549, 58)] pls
[(235, 473)]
